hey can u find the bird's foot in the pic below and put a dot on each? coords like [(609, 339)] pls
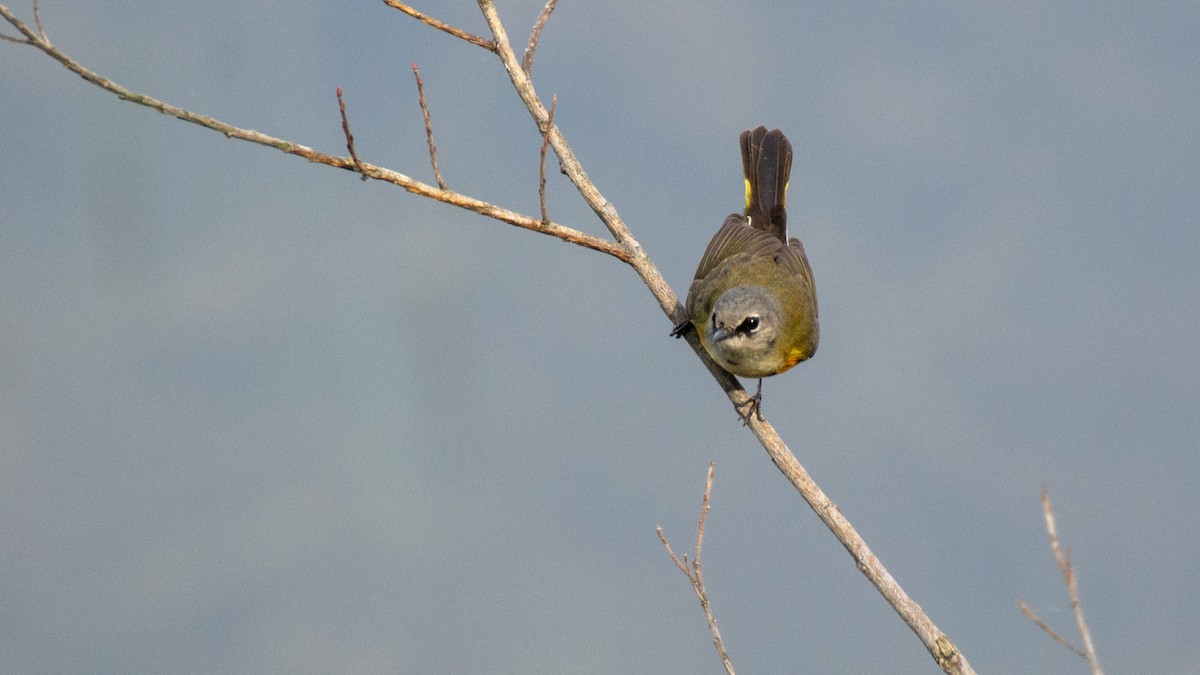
[(752, 406), (681, 329)]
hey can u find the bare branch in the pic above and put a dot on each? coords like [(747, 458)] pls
[(542, 163), (694, 575), (571, 166), (1063, 559), (29, 39), (674, 558), (358, 165), (37, 20), (703, 515), (456, 32), (437, 173), (368, 170), (535, 35), (939, 645)]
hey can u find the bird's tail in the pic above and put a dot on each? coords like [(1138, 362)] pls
[(766, 164)]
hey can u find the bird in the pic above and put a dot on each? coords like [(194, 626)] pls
[(752, 301)]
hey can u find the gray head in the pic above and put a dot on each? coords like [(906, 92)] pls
[(744, 332)]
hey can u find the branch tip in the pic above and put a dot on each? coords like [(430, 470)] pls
[(437, 173), (358, 165), (535, 35), (542, 164), (37, 21)]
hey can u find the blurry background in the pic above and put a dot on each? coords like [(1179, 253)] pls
[(259, 416)]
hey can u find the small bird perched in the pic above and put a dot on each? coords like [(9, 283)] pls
[(753, 302)]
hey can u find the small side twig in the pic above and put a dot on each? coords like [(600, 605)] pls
[(691, 569), (20, 41), (428, 20), (535, 35), (37, 21), (1049, 631), (350, 137), (437, 173), (1063, 558), (29, 39), (542, 163), (568, 234)]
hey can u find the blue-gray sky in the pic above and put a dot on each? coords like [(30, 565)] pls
[(259, 416)]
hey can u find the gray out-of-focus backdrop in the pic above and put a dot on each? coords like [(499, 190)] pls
[(259, 416)]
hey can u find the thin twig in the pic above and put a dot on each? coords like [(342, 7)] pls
[(1063, 558), (416, 187), (349, 136), (37, 20), (674, 558), (1049, 631), (703, 514), (542, 163), (28, 39), (692, 572), (456, 32), (535, 35), (437, 173)]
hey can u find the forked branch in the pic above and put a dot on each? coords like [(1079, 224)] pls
[(1062, 557), (366, 169), (691, 570)]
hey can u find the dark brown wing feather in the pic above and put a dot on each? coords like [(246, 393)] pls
[(795, 261), (736, 236), (739, 241)]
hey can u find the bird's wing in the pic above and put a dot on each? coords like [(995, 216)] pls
[(793, 259), (736, 237)]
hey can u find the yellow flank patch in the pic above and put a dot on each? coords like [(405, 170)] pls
[(794, 356), (749, 191)]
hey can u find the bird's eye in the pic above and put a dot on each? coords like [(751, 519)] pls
[(749, 324)]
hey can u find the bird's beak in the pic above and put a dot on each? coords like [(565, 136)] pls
[(719, 333)]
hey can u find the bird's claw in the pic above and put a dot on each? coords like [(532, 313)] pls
[(751, 406)]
